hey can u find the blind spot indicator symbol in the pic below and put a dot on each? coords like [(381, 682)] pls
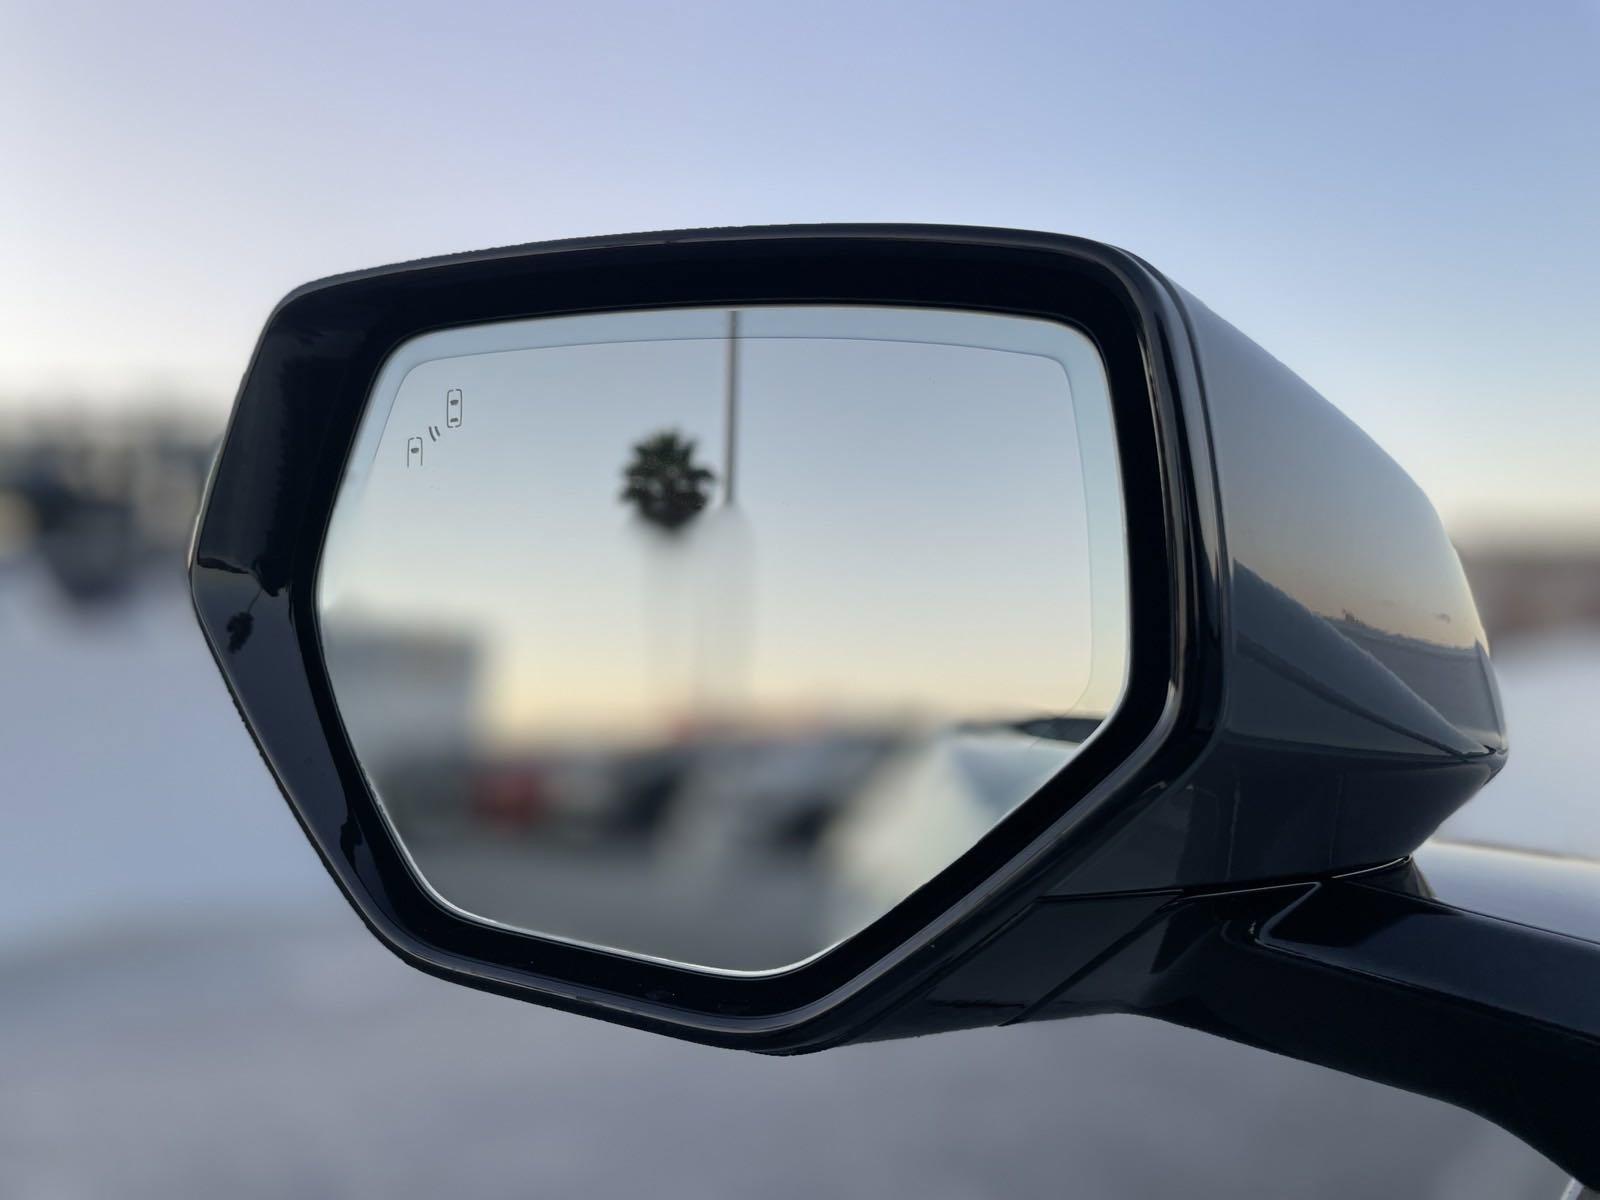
[(452, 408), (433, 432), (414, 453)]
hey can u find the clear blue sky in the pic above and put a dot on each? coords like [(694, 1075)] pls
[(1402, 201)]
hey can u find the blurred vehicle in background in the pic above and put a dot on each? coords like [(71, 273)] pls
[(100, 502)]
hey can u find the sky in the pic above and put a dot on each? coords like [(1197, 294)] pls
[(1398, 200)]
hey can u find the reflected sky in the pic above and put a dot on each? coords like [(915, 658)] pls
[(910, 532)]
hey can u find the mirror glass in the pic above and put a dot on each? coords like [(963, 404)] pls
[(709, 635)]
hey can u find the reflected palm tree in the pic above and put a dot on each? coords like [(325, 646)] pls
[(664, 483)]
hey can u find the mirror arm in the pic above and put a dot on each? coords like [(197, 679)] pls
[(1371, 976)]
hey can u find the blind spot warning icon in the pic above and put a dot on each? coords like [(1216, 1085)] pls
[(452, 408), (414, 452)]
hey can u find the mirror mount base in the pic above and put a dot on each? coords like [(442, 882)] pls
[(1367, 973)]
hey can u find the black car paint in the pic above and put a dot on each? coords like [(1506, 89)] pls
[(1309, 695), (1360, 708)]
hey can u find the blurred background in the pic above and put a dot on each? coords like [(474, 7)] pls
[(1398, 200)]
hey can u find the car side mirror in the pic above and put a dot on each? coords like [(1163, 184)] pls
[(784, 637)]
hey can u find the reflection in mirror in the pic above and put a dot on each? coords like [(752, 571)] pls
[(710, 635)]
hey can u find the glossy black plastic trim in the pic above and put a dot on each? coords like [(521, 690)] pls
[(257, 546), (1374, 976), (1374, 973)]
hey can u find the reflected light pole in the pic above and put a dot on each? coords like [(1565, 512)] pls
[(730, 420)]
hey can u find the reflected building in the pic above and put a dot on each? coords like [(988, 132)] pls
[(422, 690)]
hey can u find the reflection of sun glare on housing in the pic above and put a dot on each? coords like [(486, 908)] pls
[(812, 692)]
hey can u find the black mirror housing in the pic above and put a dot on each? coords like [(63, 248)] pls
[(1309, 693)]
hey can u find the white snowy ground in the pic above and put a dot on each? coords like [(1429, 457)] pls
[(188, 1009)]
